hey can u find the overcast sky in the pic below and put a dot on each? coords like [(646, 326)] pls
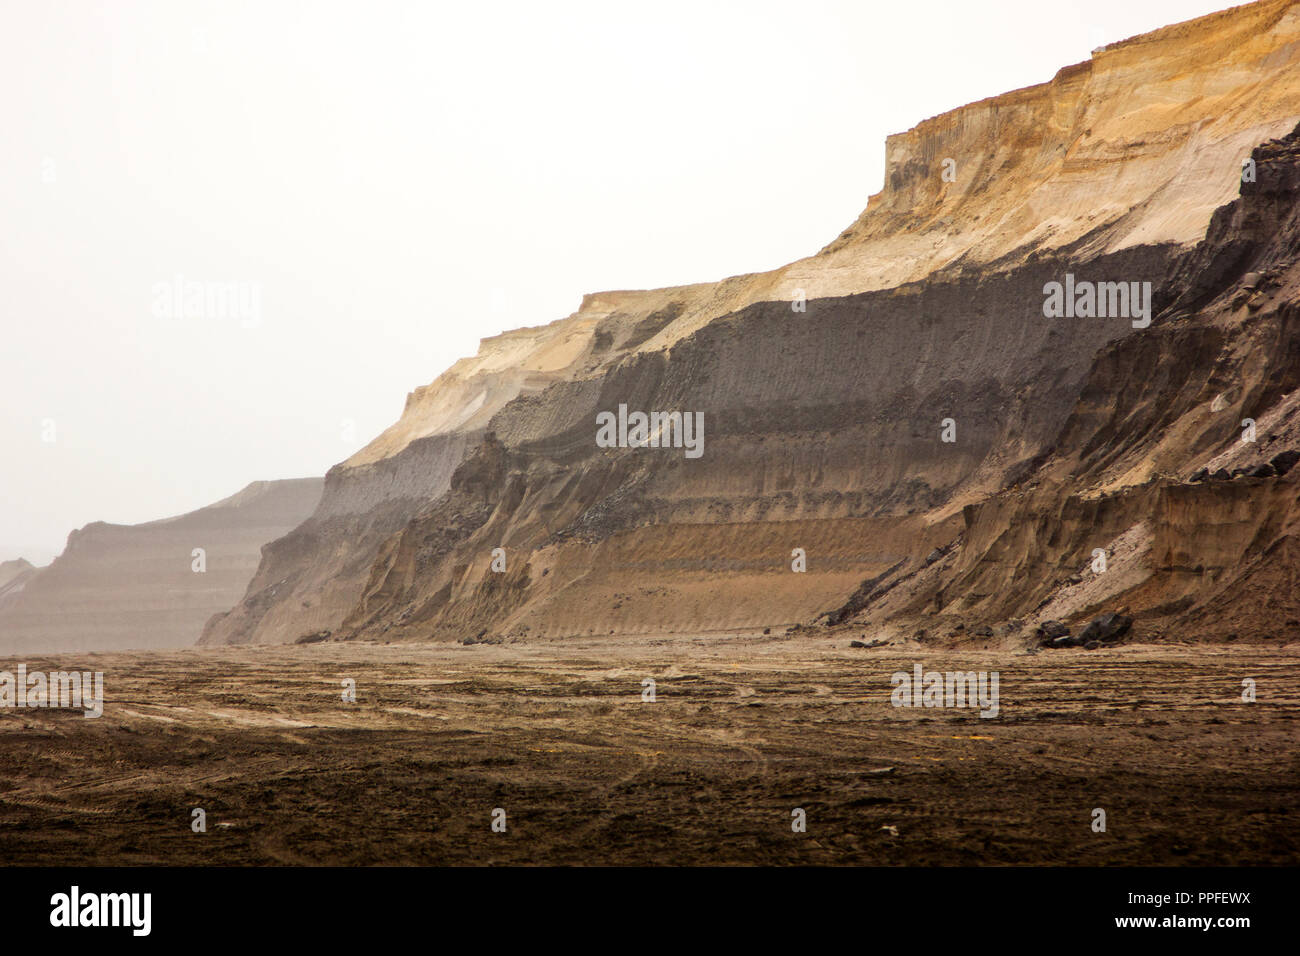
[(395, 181)]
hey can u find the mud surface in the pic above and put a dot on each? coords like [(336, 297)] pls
[(743, 730)]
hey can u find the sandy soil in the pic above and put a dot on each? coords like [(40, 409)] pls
[(743, 730)]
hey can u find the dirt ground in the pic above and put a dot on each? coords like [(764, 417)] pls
[(743, 731)]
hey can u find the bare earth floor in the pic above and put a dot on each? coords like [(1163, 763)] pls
[(743, 731)]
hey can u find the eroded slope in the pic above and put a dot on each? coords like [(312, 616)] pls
[(822, 426)]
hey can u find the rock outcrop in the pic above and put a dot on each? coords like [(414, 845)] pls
[(895, 414), (1166, 464)]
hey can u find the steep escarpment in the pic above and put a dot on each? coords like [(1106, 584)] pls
[(311, 580), (1177, 463), (812, 440), (891, 397), (148, 585)]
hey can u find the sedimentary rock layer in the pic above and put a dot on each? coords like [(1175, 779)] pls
[(1177, 461), (825, 388)]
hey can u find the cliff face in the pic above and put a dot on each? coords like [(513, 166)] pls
[(136, 586), (1177, 461), (825, 418)]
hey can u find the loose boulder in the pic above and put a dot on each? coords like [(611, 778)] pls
[(1106, 629), (1285, 461)]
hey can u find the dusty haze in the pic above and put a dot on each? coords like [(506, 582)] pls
[(399, 182)]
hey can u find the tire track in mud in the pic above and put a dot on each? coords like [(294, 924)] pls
[(705, 774)]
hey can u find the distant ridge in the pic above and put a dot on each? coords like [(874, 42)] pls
[(134, 586)]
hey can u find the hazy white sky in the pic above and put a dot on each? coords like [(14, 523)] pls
[(398, 180)]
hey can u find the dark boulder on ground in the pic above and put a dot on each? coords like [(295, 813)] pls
[(1285, 461), (1201, 474), (1054, 634), (1100, 631), (1106, 629), (1262, 471), (1221, 475)]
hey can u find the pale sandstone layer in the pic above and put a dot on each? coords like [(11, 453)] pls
[(823, 426), (1137, 146)]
